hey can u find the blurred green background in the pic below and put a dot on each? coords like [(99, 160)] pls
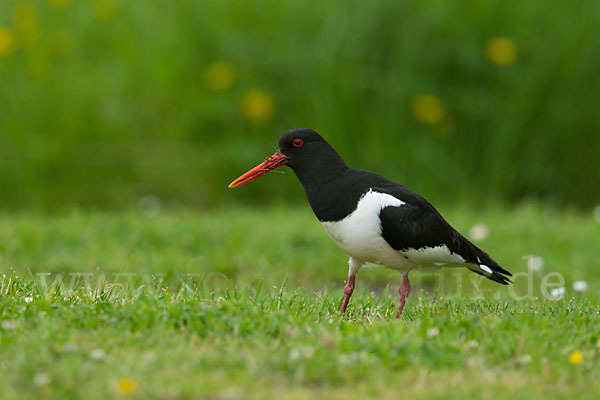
[(106, 102)]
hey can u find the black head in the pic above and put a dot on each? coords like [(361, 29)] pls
[(288, 141), (303, 150), (306, 149)]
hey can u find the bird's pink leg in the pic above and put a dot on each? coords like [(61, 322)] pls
[(403, 292), (347, 293)]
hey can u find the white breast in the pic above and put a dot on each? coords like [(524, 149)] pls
[(360, 236)]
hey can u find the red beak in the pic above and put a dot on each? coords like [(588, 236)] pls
[(275, 161)]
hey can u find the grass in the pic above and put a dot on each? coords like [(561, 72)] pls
[(243, 304)]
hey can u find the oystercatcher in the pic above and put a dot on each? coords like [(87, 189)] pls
[(372, 219)]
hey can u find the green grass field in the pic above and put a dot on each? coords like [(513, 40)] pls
[(202, 293), (243, 304)]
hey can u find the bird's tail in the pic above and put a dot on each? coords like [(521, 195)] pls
[(490, 273), (481, 263)]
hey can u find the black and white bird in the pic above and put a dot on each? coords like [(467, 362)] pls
[(372, 219)]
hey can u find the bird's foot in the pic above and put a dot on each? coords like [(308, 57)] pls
[(403, 291), (348, 290)]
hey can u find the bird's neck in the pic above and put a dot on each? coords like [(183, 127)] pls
[(321, 172), (332, 188)]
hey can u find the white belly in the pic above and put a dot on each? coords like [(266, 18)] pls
[(359, 235)]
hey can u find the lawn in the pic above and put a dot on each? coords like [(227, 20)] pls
[(242, 303)]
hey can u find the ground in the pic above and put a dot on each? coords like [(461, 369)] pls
[(243, 303)]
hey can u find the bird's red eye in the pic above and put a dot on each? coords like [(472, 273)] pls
[(298, 142)]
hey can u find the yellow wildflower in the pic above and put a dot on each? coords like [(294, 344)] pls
[(219, 76), (105, 9), (8, 43), (501, 51), (258, 106), (126, 386), (575, 357), (60, 3), (429, 109), (24, 16)]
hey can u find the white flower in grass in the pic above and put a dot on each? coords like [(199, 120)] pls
[(304, 352), (597, 213), (42, 379), (479, 232), (558, 292), (580, 286), (294, 354), (28, 300), (524, 359), (97, 354), (8, 325), (149, 206), (432, 332), (535, 263)]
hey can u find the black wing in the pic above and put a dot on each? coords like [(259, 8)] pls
[(417, 224)]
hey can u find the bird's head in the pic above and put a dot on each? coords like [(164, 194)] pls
[(298, 148)]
